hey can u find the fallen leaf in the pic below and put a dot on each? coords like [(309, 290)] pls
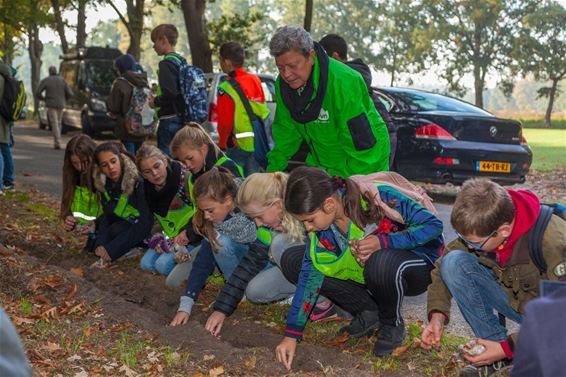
[(78, 271), (88, 331), (53, 281), (199, 374), (82, 373), (49, 313), (128, 371), (74, 358), (250, 363), (208, 357), (215, 372), (338, 340), (11, 226), (400, 350), (72, 292), (121, 327), (5, 251), (51, 347), (18, 321)]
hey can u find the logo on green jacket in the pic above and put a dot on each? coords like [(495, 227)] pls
[(324, 116)]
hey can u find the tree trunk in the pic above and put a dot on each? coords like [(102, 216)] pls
[(478, 85), (8, 45), (35, 48), (195, 22), (135, 21), (308, 15), (551, 97), (60, 26), (81, 24)]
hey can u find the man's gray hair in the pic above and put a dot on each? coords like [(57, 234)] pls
[(287, 38)]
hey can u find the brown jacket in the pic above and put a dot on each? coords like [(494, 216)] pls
[(519, 278), (118, 102)]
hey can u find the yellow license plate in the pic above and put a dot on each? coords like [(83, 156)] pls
[(493, 166)]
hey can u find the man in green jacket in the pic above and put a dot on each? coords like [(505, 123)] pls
[(326, 104)]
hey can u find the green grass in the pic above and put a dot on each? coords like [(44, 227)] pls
[(549, 148), (556, 124)]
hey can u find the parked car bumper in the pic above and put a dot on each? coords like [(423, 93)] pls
[(441, 161), (99, 121)]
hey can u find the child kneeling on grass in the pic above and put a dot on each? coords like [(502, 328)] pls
[(488, 268), (369, 246)]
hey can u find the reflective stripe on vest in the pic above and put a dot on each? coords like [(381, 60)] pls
[(85, 206), (123, 209), (176, 219), (243, 129), (223, 159), (343, 266)]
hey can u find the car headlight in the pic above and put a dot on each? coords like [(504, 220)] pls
[(98, 105)]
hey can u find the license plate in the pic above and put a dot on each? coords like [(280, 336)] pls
[(493, 166)]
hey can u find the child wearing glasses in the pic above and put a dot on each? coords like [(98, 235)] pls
[(369, 245), (488, 268)]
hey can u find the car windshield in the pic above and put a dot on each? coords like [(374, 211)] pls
[(99, 76), (422, 101)]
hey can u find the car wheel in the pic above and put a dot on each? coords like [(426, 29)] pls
[(87, 127)]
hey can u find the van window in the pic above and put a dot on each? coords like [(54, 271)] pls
[(69, 73), (99, 76)]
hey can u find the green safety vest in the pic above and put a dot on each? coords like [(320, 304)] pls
[(343, 266), (85, 206), (176, 219), (223, 159), (123, 209), (243, 129)]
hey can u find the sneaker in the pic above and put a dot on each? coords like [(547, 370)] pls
[(1, 193), (364, 323), (134, 252), (484, 370), (323, 311), (388, 338), (9, 188)]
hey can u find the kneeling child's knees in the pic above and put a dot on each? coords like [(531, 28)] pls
[(454, 262)]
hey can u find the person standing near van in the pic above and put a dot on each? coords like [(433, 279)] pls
[(235, 131), (120, 99), (56, 94)]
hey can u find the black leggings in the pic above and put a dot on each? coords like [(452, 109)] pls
[(389, 274)]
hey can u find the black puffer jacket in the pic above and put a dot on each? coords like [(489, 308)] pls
[(252, 264)]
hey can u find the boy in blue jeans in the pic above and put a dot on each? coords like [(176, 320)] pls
[(488, 269)]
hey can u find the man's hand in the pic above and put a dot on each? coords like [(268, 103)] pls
[(285, 351), (363, 249), (180, 318), (433, 332), (493, 352), (70, 223), (215, 322), (102, 253)]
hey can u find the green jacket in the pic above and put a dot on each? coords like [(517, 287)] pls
[(349, 137), (520, 274)]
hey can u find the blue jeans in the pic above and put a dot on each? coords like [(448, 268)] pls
[(245, 159), (477, 292), (162, 263), (167, 129), (132, 146), (229, 255)]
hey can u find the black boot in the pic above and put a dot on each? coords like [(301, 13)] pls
[(389, 337), (364, 323)]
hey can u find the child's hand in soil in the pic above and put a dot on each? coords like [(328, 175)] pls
[(181, 318), (215, 322), (285, 351)]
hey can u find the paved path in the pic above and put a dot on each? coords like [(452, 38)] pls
[(38, 165)]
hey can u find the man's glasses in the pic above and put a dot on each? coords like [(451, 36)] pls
[(476, 245)]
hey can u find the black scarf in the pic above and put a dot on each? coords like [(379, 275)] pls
[(303, 108), (159, 201)]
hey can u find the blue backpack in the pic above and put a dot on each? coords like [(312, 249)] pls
[(193, 89)]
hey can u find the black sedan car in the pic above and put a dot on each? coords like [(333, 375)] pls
[(442, 139)]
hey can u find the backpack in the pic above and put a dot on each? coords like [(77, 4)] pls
[(140, 120), (399, 183), (193, 89), (536, 233), (261, 141), (13, 99)]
